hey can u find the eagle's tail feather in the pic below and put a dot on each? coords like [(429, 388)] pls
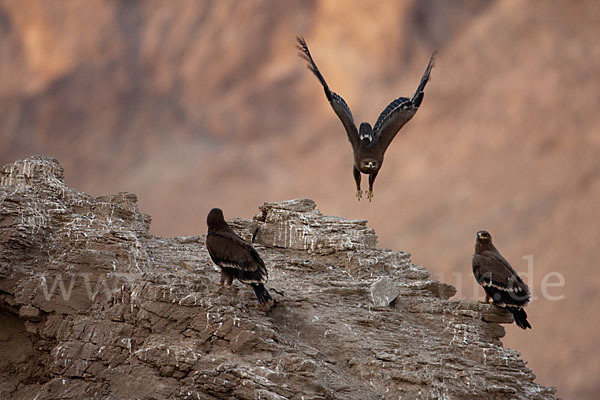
[(261, 293), (520, 317), (418, 96)]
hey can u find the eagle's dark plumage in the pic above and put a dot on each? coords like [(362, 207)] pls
[(369, 144), (236, 258), (500, 282)]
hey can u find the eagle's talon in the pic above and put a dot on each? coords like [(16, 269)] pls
[(370, 195), (359, 194)]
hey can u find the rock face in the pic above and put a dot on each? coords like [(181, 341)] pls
[(93, 306)]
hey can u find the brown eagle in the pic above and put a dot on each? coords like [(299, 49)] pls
[(236, 258), (499, 280), (369, 144)]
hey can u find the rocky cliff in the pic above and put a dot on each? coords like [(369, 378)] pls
[(93, 305)]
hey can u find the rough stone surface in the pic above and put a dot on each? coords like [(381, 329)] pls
[(384, 291), (93, 306)]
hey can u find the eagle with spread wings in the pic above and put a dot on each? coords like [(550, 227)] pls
[(499, 280), (369, 144), (236, 257)]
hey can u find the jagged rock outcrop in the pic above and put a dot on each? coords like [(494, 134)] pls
[(94, 306)]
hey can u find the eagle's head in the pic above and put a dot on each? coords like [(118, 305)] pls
[(369, 165), (215, 218), (484, 237)]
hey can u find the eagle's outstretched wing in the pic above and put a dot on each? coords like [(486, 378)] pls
[(337, 103), (400, 111)]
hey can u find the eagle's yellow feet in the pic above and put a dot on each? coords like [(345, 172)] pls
[(359, 194), (370, 195)]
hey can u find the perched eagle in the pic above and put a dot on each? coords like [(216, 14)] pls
[(236, 258), (369, 144), (500, 282)]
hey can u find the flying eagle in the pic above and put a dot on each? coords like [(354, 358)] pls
[(236, 258), (500, 282), (369, 144)]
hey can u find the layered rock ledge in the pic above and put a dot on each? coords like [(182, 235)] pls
[(94, 306)]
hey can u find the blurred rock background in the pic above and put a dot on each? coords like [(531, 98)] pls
[(196, 104)]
